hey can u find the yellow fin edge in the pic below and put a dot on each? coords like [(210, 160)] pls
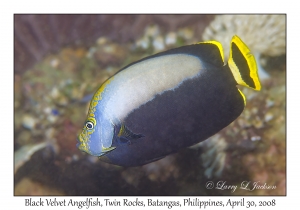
[(107, 149), (218, 44), (244, 97)]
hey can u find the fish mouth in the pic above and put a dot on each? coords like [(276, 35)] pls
[(83, 146)]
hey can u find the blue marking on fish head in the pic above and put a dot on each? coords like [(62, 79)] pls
[(98, 132), (97, 135)]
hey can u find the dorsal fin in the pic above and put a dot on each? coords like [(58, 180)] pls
[(218, 45)]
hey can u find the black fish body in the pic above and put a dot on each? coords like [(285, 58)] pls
[(179, 106)]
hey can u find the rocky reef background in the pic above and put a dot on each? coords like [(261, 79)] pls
[(61, 59)]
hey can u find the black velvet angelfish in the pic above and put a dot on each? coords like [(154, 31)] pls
[(168, 101)]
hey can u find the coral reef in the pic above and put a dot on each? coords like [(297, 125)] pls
[(264, 34), (213, 156)]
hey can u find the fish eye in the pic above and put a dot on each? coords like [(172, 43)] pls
[(89, 125)]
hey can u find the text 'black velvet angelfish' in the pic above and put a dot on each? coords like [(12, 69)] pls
[(168, 101)]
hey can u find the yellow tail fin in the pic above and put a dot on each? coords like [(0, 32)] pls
[(243, 65)]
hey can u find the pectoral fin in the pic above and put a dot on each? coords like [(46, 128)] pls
[(127, 134)]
